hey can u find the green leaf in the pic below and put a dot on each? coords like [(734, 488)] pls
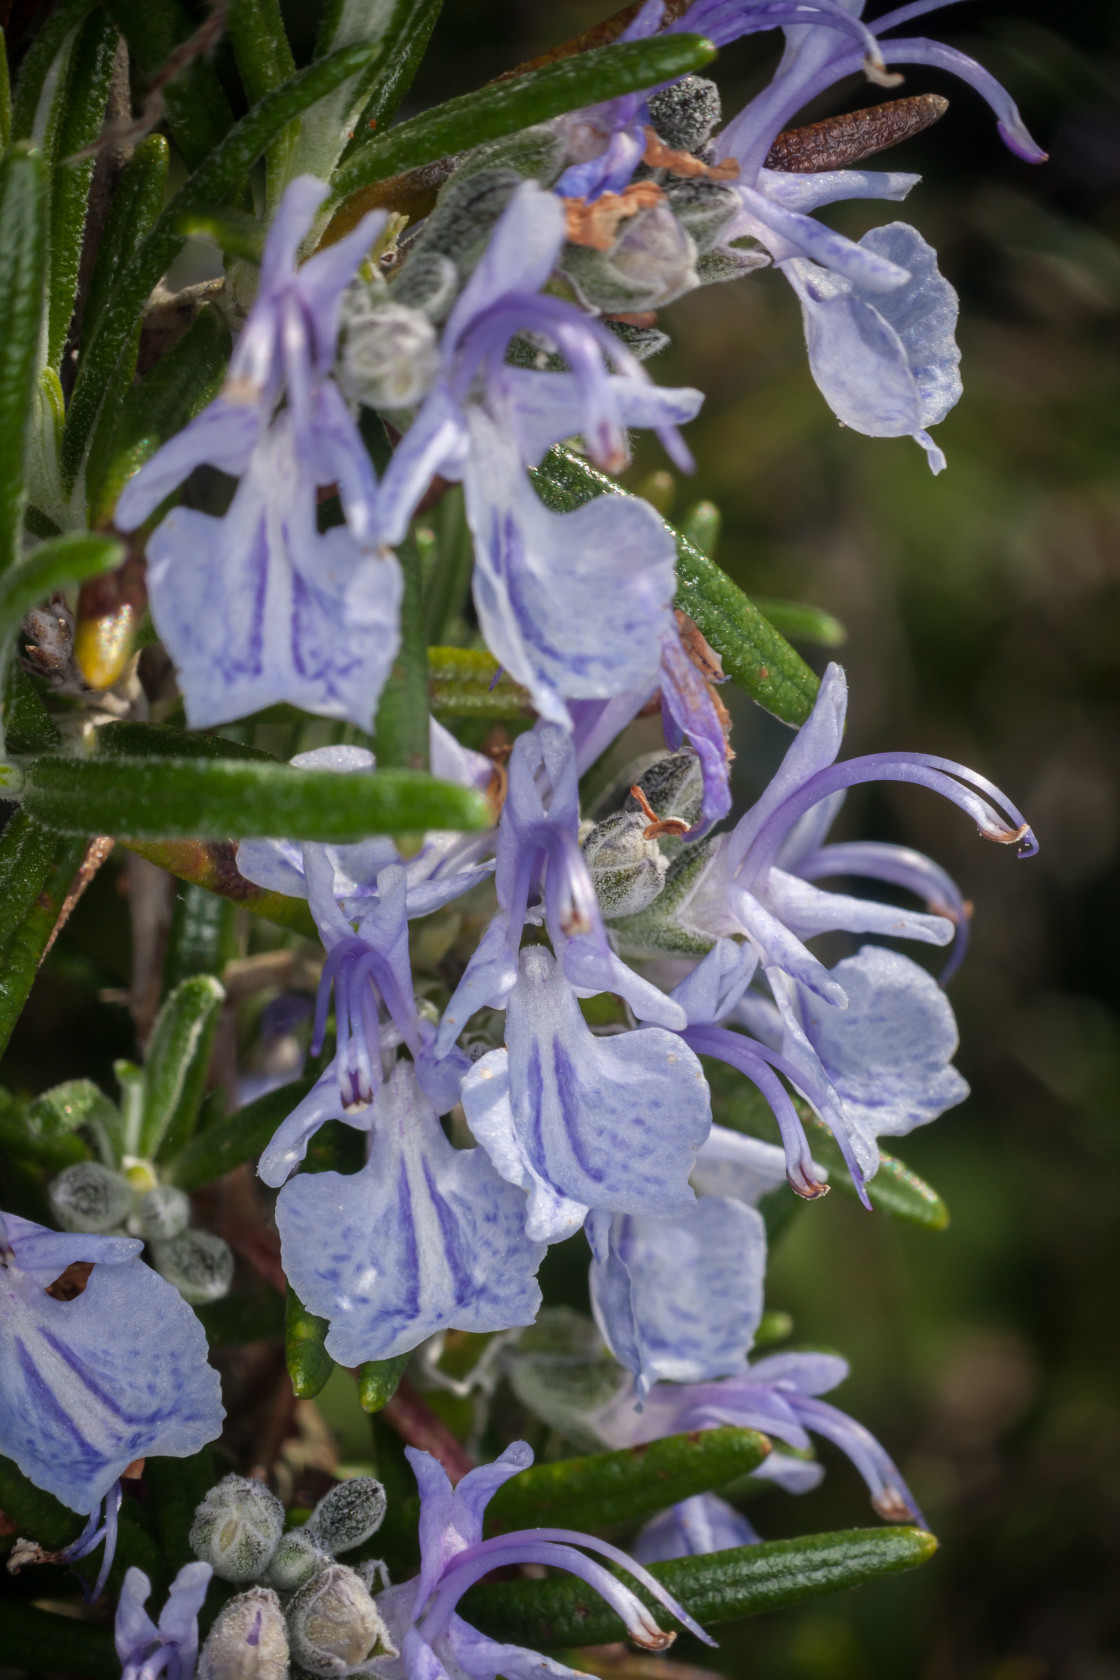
[(180, 384), (755, 656), (39, 1641), (264, 59), (520, 101), (217, 180), (176, 1063), (25, 724), (198, 112), (403, 47), (235, 1137), (26, 853), (378, 1380), (701, 527), (801, 623), (165, 798), (232, 231), (773, 1327), (201, 940), (717, 1587), (309, 1363), (82, 101), (160, 740), (23, 259), (5, 95), (135, 205), (54, 1118), (618, 1487), (402, 714), (57, 564), (462, 685), (39, 64)]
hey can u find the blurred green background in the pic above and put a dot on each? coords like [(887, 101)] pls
[(983, 618)]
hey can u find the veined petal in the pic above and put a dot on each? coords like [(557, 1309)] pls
[(224, 435), (807, 910), (695, 1291), (831, 186), (424, 1238), (289, 1142), (545, 408), (89, 1385), (573, 605), (814, 748), (606, 1122), (889, 1054), (789, 234)]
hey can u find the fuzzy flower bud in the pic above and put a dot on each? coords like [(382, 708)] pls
[(390, 357), (333, 1623), (348, 1514), (674, 787), (685, 113), (199, 1264), (296, 1559), (90, 1197), (249, 1640), (162, 1213), (652, 261), (627, 871), (237, 1528)]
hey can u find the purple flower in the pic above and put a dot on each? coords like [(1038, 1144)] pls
[(879, 318), (435, 1643), (171, 1649), (445, 866), (424, 1238), (689, 714), (291, 614), (777, 1395), (91, 1384), (704, 1523), (757, 880), (572, 605)]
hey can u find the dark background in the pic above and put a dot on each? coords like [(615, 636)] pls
[(983, 618)]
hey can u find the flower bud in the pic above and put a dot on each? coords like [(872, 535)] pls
[(729, 263), (348, 1514), (333, 1623), (237, 1528), (674, 786), (198, 1263), (298, 1556), (703, 207), (390, 358), (427, 281), (162, 1213), (652, 261), (249, 1640), (90, 1197), (627, 871), (685, 113)]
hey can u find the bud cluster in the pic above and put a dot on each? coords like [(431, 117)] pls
[(305, 1607)]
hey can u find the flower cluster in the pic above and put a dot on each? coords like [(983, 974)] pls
[(546, 1073)]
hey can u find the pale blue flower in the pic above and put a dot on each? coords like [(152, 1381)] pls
[(259, 607), (424, 1238), (169, 1650), (89, 1385), (435, 1643), (572, 605), (705, 1523)]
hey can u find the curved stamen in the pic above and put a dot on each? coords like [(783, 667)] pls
[(747, 1056), (937, 774), (558, 1547), (889, 1493)]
